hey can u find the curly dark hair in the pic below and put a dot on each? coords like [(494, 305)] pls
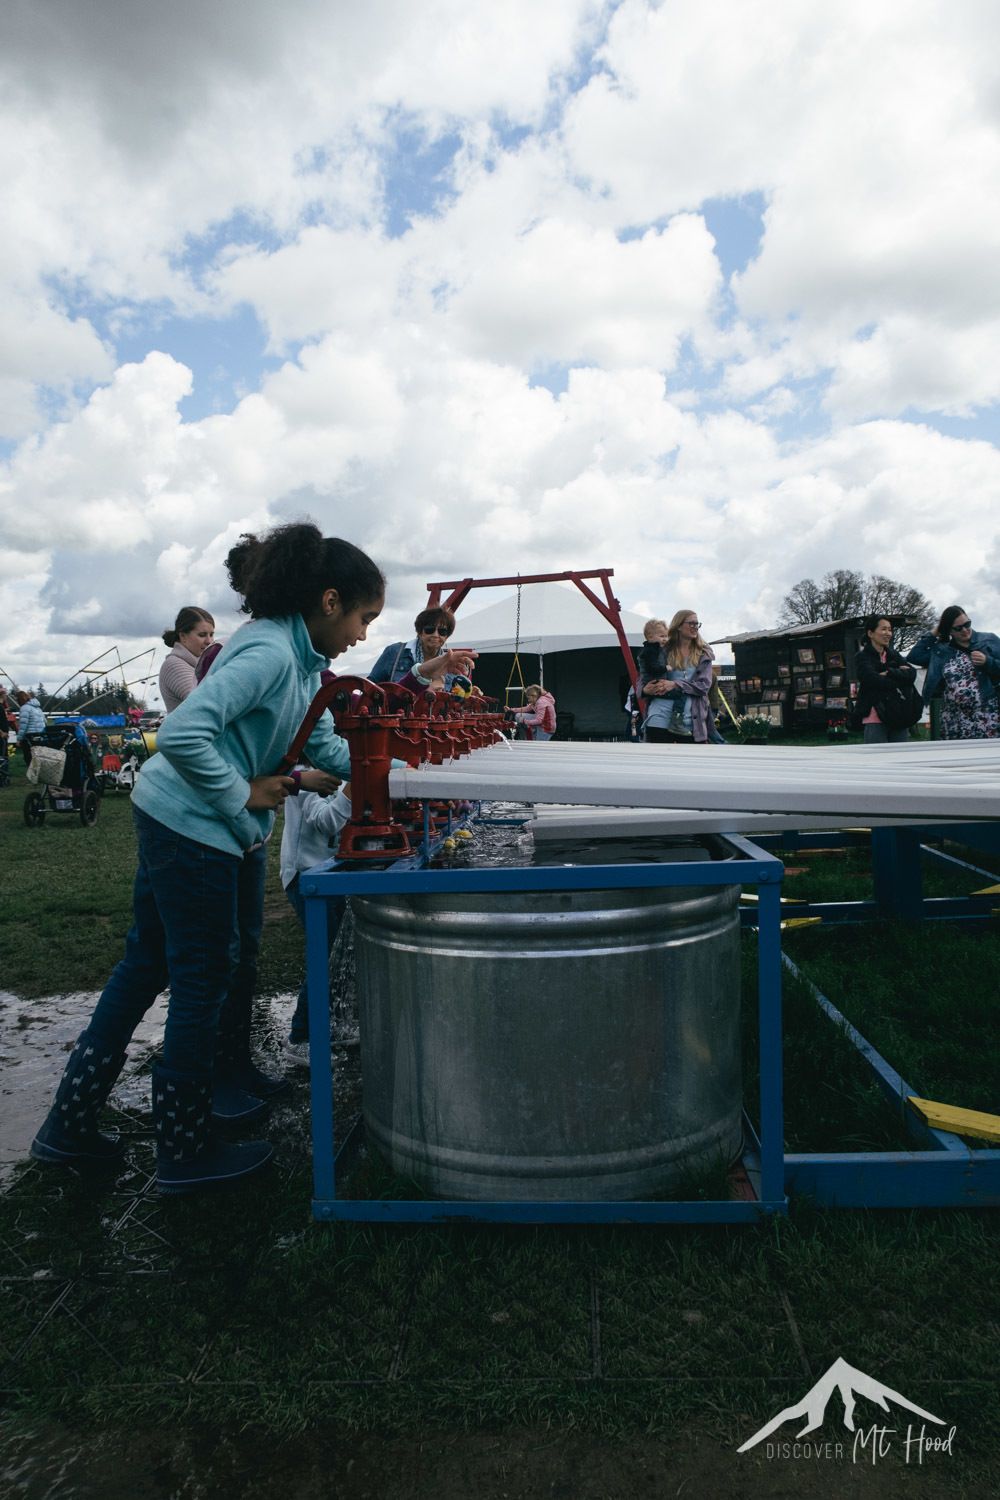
[(286, 571), (187, 619), (948, 617)]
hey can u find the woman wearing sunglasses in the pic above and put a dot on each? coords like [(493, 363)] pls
[(433, 628), (963, 669)]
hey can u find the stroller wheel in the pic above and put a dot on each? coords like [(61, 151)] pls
[(34, 809), (88, 809)]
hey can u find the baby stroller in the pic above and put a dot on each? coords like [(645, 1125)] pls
[(63, 776), (109, 774), (135, 752)]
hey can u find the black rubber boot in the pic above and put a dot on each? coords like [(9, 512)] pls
[(70, 1137), (234, 1067), (232, 1105), (188, 1157)]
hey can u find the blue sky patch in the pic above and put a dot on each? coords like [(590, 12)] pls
[(416, 176), (737, 226)]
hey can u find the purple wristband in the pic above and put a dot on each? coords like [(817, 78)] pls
[(296, 776)]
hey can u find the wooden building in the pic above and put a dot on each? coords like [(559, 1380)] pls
[(800, 676)]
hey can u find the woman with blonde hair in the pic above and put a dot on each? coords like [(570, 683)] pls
[(675, 677)]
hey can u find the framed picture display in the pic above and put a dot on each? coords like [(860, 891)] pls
[(806, 656), (774, 695), (801, 700), (817, 700), (835, 680), (836, 702), (834, 658), (784, 670), (773, 711)]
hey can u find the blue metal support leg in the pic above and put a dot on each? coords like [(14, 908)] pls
[(320, 1065), (897, 873)]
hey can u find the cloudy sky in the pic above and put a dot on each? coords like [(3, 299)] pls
[(706, 291)]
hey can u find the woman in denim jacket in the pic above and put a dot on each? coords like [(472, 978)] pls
[(433, 627), (963, 669)]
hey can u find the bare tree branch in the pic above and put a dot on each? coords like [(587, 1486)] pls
[(843, 593)]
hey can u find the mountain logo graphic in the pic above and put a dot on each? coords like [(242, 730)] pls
[(850, 1383)]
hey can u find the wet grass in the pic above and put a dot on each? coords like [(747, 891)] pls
[(927, 998), (251, 1315), (831, 1103), (119, 1308), (925, 995)]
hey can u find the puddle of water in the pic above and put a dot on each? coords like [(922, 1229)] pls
[(37, 1036)]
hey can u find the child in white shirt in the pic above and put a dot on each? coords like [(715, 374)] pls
[(313, 825)]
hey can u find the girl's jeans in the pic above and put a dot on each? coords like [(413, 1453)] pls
[(335, 908), (184, 933)]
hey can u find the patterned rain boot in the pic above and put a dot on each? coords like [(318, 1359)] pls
[(188, 1157), (69, 1136)]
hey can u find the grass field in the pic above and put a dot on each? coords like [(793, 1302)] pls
[(124, 1313)]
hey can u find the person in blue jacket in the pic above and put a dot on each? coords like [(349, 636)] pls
[(963, 670), (208, 797), (30, 720)]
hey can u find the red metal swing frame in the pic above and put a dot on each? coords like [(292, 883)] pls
[(609, 607)]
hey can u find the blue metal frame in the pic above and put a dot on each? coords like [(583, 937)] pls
[(945, 1173), (897, 872), (410, 876)]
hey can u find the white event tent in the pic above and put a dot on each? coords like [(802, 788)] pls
[(564, 642)]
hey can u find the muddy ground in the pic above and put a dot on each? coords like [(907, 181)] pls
[(53, 1463)]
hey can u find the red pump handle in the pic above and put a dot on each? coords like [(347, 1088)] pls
[(380, 695)]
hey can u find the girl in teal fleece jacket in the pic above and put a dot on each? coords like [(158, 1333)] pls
[(206, 798)]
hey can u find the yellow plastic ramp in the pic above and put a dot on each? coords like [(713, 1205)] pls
[(752, 900), (974, 1122)]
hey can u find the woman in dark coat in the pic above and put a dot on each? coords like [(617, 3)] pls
[(879, 667)]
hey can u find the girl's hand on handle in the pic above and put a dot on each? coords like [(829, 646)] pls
[(268, 792)]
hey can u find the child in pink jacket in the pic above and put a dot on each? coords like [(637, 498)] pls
[(539, 716)]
